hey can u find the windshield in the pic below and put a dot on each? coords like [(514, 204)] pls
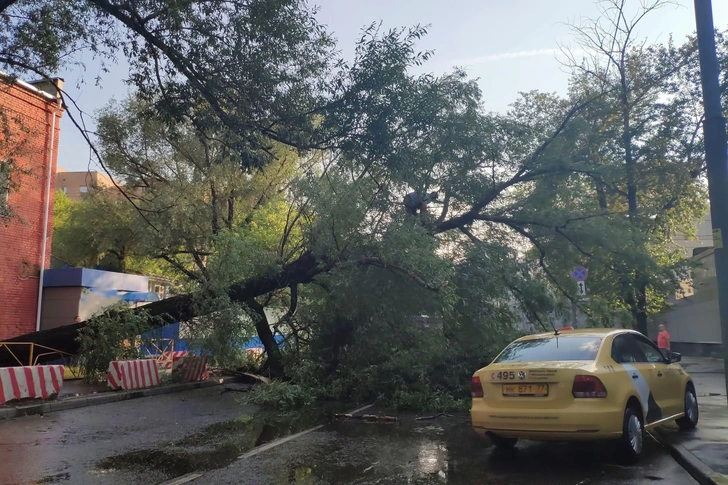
[(550, 349)]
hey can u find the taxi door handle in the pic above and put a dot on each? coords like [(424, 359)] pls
[(659, 374)]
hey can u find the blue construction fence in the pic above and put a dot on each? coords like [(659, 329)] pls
[(168, 333)]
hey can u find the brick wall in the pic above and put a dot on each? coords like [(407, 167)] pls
[(28, 116)]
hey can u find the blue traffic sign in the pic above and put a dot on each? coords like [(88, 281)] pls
[(580, 273)]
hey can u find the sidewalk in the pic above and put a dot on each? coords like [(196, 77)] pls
[(704, 451), (80, 395)]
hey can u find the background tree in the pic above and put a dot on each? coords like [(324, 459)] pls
[(100, 231), (263, 169), (642, 140)]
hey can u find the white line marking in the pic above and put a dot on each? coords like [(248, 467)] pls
[(275, 443), (360, 409), (194, 476), (183, 479)]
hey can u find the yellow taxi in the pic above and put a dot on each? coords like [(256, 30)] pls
[(582, 385)]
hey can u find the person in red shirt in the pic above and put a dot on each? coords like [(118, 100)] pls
[(663, 338)]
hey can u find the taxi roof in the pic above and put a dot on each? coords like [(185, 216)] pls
[(582, 332)]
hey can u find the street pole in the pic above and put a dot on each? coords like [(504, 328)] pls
[(716, 157)]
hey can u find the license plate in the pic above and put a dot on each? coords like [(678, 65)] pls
[(531, 390)]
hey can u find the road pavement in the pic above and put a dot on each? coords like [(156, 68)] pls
[(439, 451), (69, 447), (151, 440)]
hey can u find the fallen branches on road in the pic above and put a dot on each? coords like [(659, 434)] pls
[(367, 417), (426, 418)]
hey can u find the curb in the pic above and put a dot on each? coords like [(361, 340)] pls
[(695, 467), (106, 398)]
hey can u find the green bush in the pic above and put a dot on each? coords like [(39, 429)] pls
[(283, 396), (113, 334)]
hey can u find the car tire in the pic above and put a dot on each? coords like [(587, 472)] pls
[(692, 412), (503, 443), (633, 435)]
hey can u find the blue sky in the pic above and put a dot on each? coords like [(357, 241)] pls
[(509, 45)]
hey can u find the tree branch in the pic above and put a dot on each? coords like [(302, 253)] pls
[(523, 174), (373, 261)]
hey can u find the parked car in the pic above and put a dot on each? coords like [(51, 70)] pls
[(582, 385)]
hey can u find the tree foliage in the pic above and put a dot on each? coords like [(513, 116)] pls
[(100, 231), (111, 335), (266, 174)]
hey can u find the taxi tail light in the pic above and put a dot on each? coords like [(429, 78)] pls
[(476, 390), (588, 386)]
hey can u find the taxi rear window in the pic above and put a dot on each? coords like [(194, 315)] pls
[(551, 349)]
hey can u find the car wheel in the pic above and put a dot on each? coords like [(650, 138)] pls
[(633, 433), (502, 443), (692, 413)]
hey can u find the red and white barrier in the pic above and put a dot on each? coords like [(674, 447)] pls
[(169, 358), (133, 374), (35, 382), (193, 369)]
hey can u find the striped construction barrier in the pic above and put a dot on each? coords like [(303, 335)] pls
[(169, 358), (192, 369), (133, 374), (34, 382)]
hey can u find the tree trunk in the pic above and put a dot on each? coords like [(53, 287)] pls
[(628, 155), (601, 196), (213, 200), (640, 314), (121, 255), (182, 307), (230, 210), (300, 271), (274, 362), (639, 304)]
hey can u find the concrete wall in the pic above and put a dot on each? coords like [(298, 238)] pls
[(80, 292), (26, 117), (693, 321), (704, 237), (60, 307)]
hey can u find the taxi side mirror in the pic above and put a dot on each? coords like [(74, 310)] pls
[(673, 357)]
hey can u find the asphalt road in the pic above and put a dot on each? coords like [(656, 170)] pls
[(443, 451), (151, 440), (69, 447)]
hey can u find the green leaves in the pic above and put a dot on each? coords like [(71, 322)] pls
[(258, 165), (111, 335)]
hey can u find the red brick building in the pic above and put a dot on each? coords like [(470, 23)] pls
[(29, 130)]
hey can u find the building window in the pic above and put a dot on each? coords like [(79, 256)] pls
[(83, 189), (4, 188), (65, 190)]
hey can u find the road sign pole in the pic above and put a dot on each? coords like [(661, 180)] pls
[(715, 157)]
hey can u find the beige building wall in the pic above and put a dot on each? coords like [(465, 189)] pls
[(704, 237), (694, 316), (76, 184), (693, 320)]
